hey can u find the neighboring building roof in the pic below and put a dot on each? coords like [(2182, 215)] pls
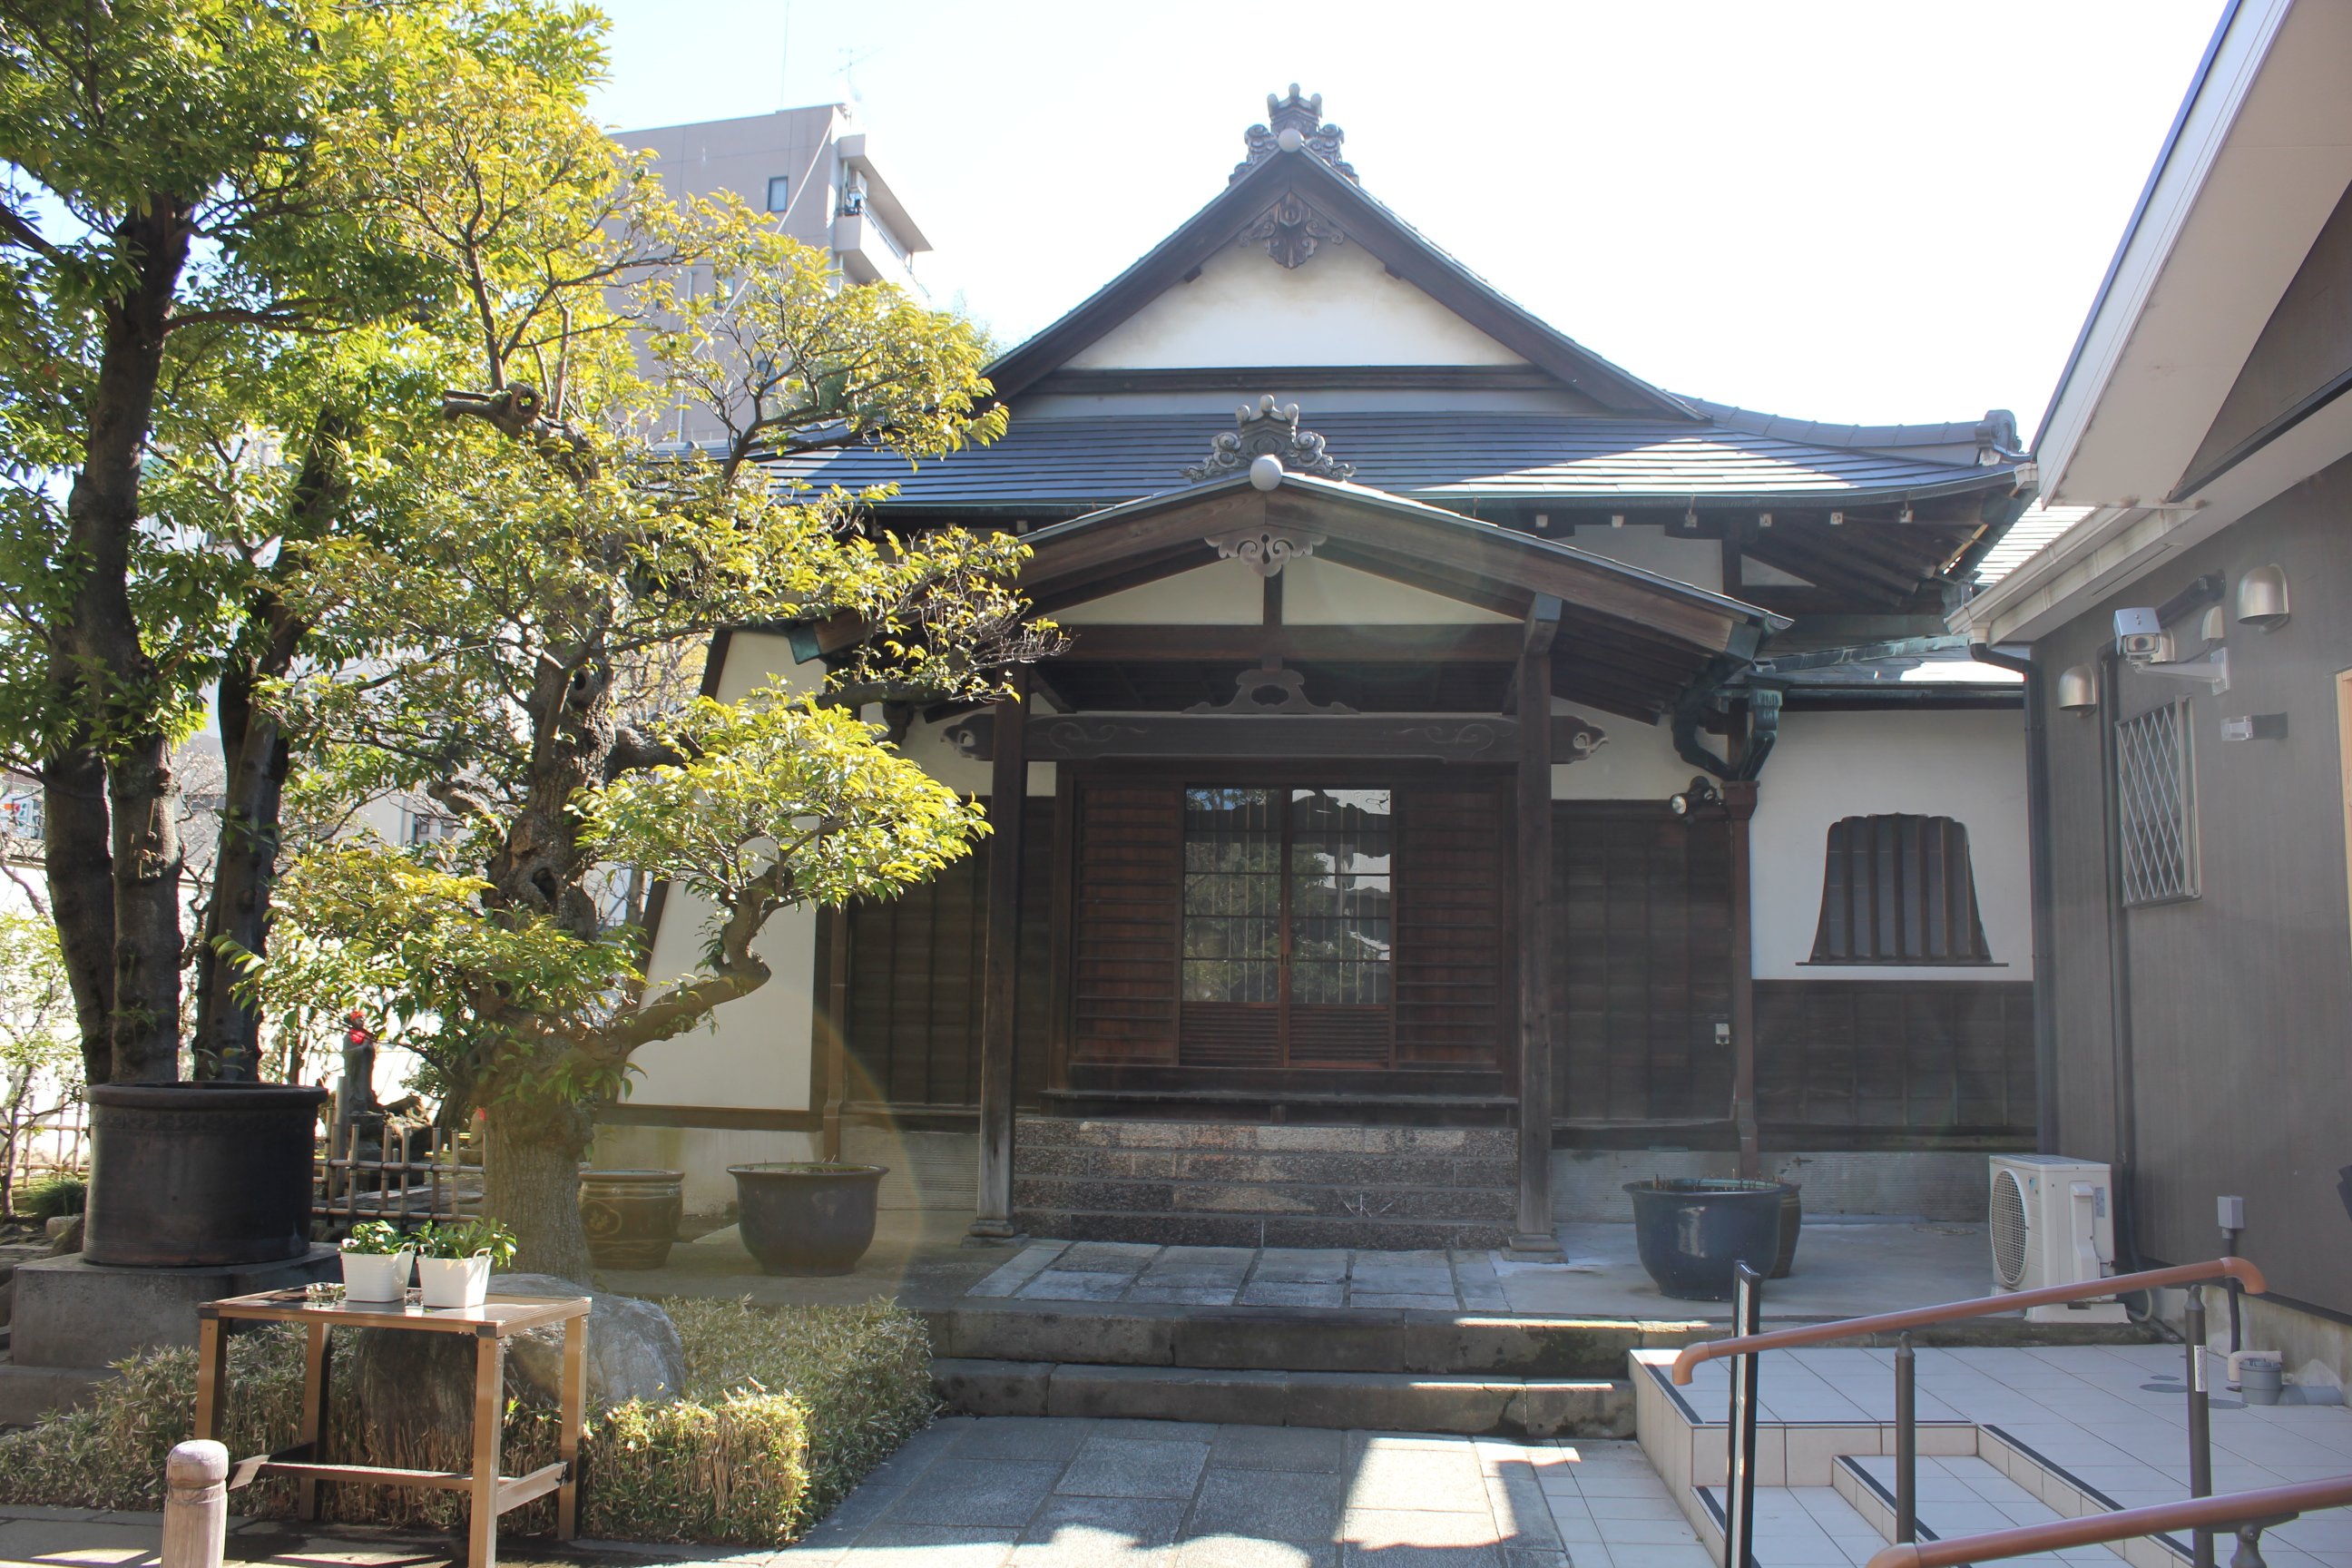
[(2037, 526), (1052, 463)]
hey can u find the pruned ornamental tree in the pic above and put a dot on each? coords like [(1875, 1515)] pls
[(536, 624)]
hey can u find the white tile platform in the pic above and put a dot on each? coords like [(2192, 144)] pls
[(2070, 1430)]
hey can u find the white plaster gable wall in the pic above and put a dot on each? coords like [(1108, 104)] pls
[(1227, 594), (1699, 562), (754, 1055), (1969, 766), (1245, 309), (927, 745), (1637, 761), (1324, 594)]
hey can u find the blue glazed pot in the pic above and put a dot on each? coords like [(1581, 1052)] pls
[(1693, 1231)]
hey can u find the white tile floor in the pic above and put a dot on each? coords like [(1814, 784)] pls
[(2113, 1417)]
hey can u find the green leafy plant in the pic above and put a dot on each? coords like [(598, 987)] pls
[(376, 1238), (53, 1197), (470, 1238)]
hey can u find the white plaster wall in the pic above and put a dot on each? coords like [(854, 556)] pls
[(1227, 594), (926, 745), (1324, 594), (1699, 562), (754, 1054), (1340, 308), (1637, 761), (1969, 766)]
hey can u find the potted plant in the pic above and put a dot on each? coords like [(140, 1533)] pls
[(631, 1216), (375, 1262), (807, 1217), (454, 1261)]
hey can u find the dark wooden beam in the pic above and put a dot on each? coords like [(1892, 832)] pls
[(999, 976), (1739, 808), (1467, 644), (1485, 738), (1532, 1236)]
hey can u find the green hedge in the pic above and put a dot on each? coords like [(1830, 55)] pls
[(783, 1413)]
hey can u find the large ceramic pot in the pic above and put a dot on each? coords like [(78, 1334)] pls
[(631, 1216), (1693, 1231), (1793, 1220), (807, 1218), (188, 1174)]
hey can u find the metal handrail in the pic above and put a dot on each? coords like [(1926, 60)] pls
[(2236, 1269), (2255, 1509)]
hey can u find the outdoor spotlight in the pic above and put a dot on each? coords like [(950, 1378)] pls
[(2078, 688), (2262, 598), (1702, 793)]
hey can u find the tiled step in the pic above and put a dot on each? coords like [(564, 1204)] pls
[(1361, 1401), (1796, 1527), (1213, 1184), (1969, 1497)]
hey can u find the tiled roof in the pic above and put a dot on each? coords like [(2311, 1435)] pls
[(1434, 458), (2035, 527)]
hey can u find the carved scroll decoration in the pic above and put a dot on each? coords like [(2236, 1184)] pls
[(1303, 115), (1263, 427), (1267, 550), (1251, 695)]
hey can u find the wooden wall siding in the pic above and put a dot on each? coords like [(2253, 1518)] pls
[(1453, 969), (1919, 1056), (1126, 922), (913, 1030), (1642, 925)]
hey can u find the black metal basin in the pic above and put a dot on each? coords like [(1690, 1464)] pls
[(807, 1218), (190, 1174), (1693, 1231)]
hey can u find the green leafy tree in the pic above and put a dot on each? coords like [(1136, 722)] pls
[(535, 621), (40, 1055)]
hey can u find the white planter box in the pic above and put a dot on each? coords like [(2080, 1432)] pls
[(376, 1276), (454, 1281)]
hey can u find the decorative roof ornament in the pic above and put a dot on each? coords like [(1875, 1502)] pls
[(1291, 124), (1293, 231), (1267, 429)]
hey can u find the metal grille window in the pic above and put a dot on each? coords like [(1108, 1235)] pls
[(1899, 890), (2155, 785)]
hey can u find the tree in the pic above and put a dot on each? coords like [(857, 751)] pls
[(536, 617), (40, 1061)]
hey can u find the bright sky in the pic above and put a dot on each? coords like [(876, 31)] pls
[(1865, 212)]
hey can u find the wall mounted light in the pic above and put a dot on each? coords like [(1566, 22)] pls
[(1763, 520), (1837, 520), (1701, 794), (2078, 688), (2262, 598)]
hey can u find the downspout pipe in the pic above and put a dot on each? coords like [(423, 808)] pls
[(2119, 989), (2042, 884)]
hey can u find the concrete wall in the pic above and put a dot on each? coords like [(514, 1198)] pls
[(2235, 1079)]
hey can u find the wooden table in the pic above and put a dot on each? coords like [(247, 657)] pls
[(491, 1324)]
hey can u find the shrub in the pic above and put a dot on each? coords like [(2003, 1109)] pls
[(52, 1197), (782, 1413)]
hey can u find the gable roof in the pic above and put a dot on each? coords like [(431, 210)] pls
[(1366, 221)]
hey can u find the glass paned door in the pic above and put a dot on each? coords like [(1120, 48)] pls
[(1289, 927)]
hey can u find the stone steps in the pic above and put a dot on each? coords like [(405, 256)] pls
[(1361, 1401), (1214, 1184)]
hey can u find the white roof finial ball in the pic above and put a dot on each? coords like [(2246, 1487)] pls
[(1290, 139), (1265, 471)]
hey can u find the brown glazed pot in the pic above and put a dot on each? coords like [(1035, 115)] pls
[(200, 1175), (631, 1216)]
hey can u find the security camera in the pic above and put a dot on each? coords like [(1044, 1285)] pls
[(2141, 637)]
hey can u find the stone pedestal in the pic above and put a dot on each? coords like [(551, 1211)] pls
[(73, 1313)]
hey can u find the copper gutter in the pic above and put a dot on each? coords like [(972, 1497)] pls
[(2269, 1505), (2236, 1269)]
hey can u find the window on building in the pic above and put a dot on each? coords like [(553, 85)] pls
[(2156, 787), (1287, 925), (418, 828), (1898, 888), (20, 814), (780, 192)]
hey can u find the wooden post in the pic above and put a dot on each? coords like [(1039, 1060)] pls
[(1007, 806), (195, 1505), (317, 1368), (572, 1404), (837, 1017), (1532, 1236), (1740, 803), (489, 1414)]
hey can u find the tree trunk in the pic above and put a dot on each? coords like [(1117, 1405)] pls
[(534, 1157), (80, 869), (228, 1041), (108, 668)]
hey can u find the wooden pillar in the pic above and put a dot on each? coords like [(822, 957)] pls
[(833, 1045), (1740, 803), (1532, 1235), (1000, 977)]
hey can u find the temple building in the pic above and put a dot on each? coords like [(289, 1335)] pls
[(1478, 778)]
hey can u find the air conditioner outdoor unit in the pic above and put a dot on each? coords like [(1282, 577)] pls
[(2053, 1224)]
